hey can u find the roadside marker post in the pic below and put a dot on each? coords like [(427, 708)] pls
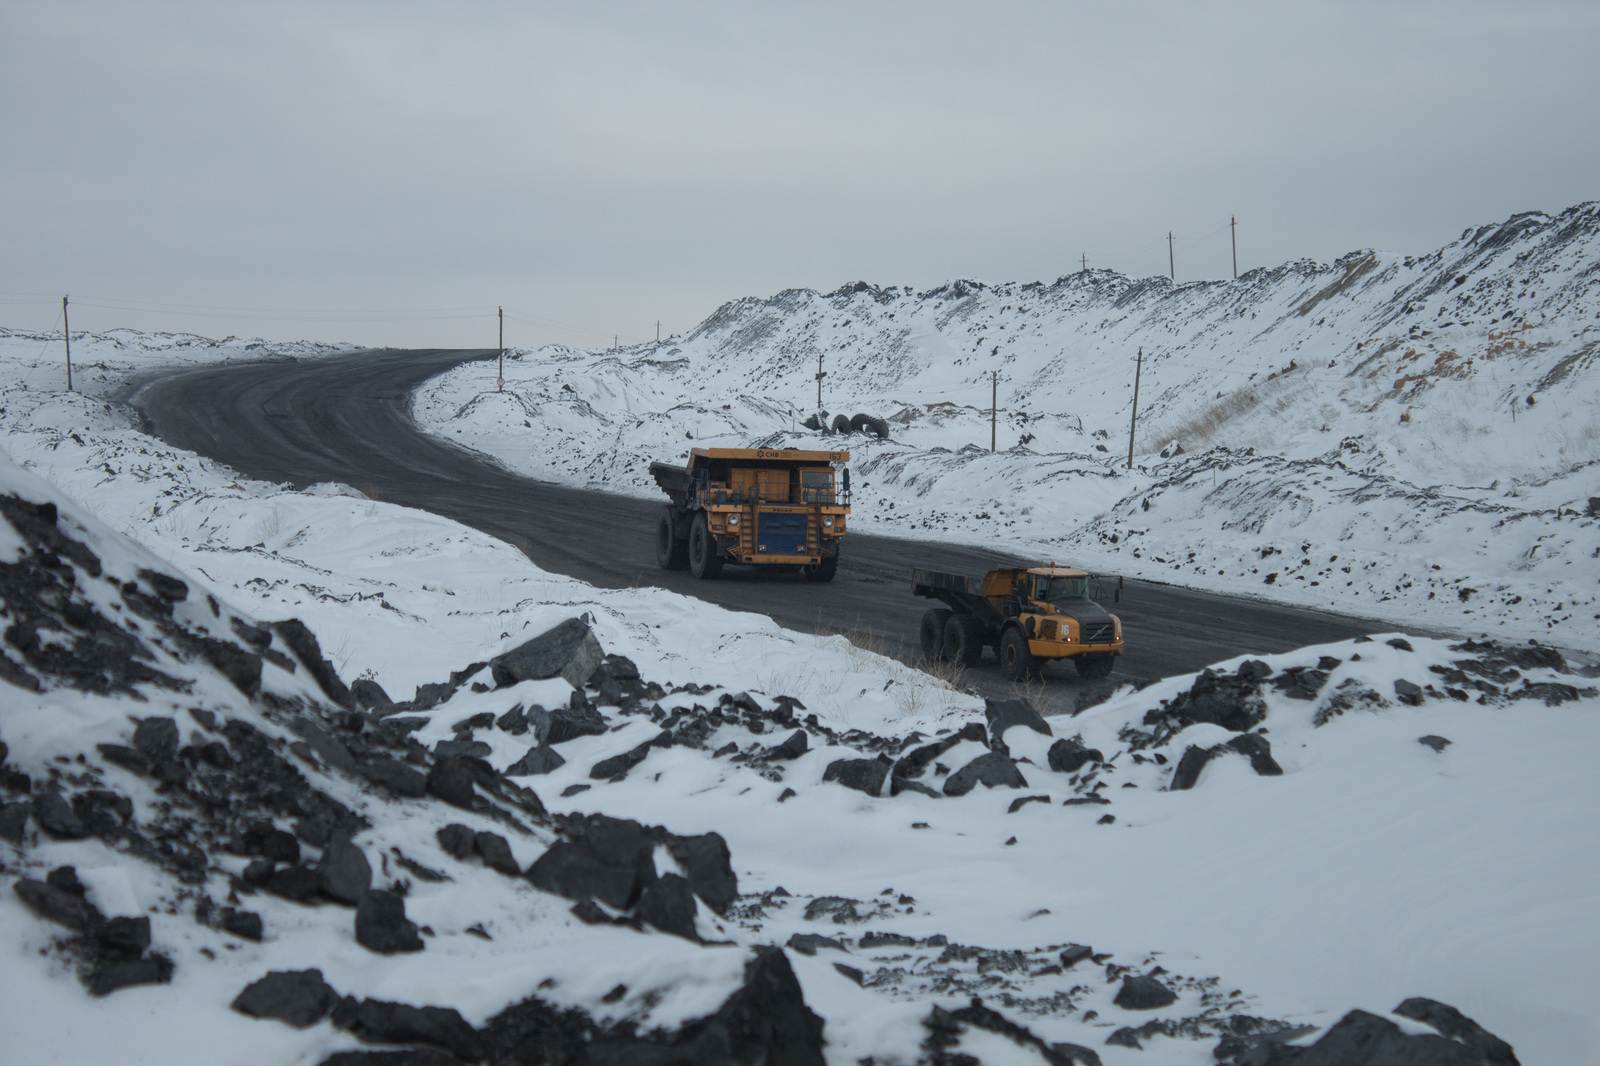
[(500, 378), (66, 337), (1137, 367)]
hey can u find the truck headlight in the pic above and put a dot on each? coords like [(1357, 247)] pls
[(733, 520), (827, 521)]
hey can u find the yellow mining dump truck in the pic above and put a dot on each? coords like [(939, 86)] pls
[(1029, 616), (772, 509)]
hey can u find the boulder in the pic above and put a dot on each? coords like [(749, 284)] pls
[(396, 776), (990, 769), (1408, 692), (1457, 1026), (14, 820), (570, 723), (1360, 1038), (431, 694), (495, 851), (1437, 743), (608, 859), (863, 775), (668, 904), (462, 749), (707, 864), (1073, 954), (1231, 701), (451, 780), (297, 884), (539, 759), (108, 977), (569, 651), (381, 923), (55, 816), (792, 748), (344, 873), (156, 739), (58, 905), (458, 841), (1187, 773), (916, 762), (1256, 748), (299, 997), (1144, 993), (606, 769), (369, 694), (1004, 714), (376, 1021), (808, 943), (124, 936), (246, 925), (1068, 755), (303, 643)]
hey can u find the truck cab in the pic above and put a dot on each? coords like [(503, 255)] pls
[(772, 509)]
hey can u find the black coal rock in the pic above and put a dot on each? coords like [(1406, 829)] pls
[(991, 769), (344, 873), (539, 759), (55, 816), (1144, 993), (495, 852), (706, 862), (457, 840), (569, 651), (1068, 755), (609, 859), (1004, 714), (381, 923), (109, 976), (299, 997), (668, 904), (863, 775), (377, 1021), (451, 780)]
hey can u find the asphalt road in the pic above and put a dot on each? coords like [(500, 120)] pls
[(348, 419)]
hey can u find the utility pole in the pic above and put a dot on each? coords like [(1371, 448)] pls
[(500, 379), (658, 326), (994, 404), (819, 381), (1134, 420), (1233, 226), (1085, 260), (66, 335), (616, 341), (1172, 264)]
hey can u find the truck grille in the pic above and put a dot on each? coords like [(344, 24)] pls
[(1100, 633), (781, 533), (1047, 630)]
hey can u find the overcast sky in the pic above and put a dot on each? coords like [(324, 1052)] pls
[(387, 173)]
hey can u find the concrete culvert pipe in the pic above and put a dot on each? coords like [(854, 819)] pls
[(841, 424), (870, 424)]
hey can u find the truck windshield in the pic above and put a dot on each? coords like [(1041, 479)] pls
[(1056, 589), (816, 486)]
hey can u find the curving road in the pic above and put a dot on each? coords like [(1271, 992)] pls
[(348, 419)]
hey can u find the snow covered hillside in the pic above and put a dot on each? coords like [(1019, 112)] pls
[(216, 851), (1406, 437)]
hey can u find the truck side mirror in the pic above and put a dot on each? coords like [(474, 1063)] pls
[(846, 479)]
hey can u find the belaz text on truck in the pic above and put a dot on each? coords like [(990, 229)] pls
[(768, 508)]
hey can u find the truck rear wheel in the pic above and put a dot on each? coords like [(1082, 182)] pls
[(672, 547), (1094, 667), (822, 571), (703, 559), (1018, 661), (963, 639), (932, 634)]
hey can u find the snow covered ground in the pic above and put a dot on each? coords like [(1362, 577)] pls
[(1411, 438), (1371, 869)]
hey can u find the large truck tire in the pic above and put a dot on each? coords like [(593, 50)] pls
[(822, 571), (1094, 667), (672, 541), (1015, 658), (870, 424), (842, 426), (932, 633), (963, 639), (704, 562)]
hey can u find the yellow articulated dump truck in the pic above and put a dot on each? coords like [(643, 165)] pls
[(773, 509), (1029, 616)]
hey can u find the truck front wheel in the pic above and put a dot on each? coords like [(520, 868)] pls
[(932, 633), (703, 559), (1018, 661), (672, 548), (822, 571)]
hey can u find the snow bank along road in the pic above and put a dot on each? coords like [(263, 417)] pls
[(347, 419)]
